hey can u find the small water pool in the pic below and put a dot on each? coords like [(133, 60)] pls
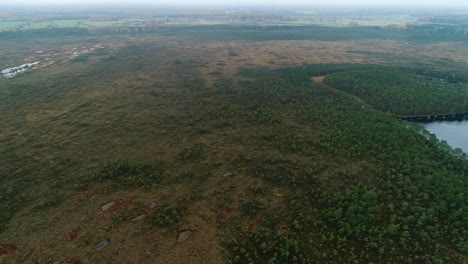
[(454, 132)]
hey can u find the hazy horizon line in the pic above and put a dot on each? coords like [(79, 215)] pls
[(395, 5)]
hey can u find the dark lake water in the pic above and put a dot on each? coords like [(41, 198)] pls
[(454, 132)]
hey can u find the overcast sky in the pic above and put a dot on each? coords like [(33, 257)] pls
[(250, 2)]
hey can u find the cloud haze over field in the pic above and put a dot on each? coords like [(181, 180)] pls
[(249, 2)]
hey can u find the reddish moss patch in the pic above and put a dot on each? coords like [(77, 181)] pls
[(6, 248), (73, 234)]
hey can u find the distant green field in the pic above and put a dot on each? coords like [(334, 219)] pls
[(341, 22), (39, 25), (71, 23), (10, 24), (365, 21), (102, 23), (65, 23), (60, 24)]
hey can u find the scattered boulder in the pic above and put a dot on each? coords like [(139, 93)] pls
[(152, 205), (118, 204), (138, 218), (228, 174), (101, 245), (183, 236), (107, 206)]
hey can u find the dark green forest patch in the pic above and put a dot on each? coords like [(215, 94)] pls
[(403, 93)]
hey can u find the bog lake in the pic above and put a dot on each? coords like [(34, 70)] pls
[(454, 132)]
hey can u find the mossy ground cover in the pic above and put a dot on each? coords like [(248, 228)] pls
[(262, 167)]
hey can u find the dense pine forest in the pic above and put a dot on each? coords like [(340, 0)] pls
[(402, 93), (397, 212)]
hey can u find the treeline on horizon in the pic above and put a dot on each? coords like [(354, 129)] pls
[(403, 93), (423, 33)]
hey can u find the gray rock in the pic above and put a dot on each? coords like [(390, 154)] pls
[(138, 218), (101, 245), (183, 236), (107, 206), (228, 174)]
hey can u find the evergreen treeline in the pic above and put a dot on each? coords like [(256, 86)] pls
[(423, 33), (403, 93)]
